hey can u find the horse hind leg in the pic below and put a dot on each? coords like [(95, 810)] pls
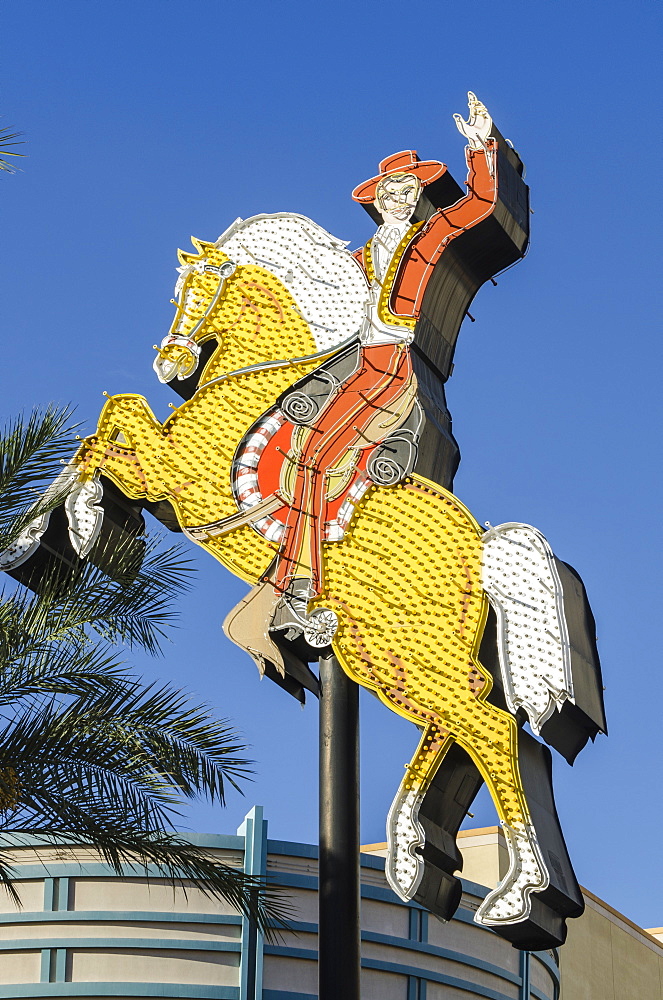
[(406, 836), (492, 743)]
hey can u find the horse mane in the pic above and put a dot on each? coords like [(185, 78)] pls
[(322, 276)]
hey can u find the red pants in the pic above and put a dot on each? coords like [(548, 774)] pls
[(383, 372)]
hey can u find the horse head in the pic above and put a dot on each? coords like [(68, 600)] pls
[(199, 290), (271, 288)]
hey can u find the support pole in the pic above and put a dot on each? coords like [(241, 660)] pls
[(339, 960)]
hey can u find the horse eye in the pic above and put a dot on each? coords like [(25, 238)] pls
[(225, 270)]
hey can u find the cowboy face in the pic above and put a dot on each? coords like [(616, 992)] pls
[(396, 197)]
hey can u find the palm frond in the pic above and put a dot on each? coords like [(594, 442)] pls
[(87, 751), (31, 453), (6, 140)]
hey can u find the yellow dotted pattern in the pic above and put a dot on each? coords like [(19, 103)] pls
[(406, 580), (187, 459), (406, 585)]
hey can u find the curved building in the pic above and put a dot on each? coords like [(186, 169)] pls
[(85, 932)]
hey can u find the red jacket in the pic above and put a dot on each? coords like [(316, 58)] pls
[(424, 243)]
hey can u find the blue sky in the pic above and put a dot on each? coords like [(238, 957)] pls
[(151, 120)]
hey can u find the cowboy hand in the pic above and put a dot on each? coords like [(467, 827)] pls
[(478, 127)]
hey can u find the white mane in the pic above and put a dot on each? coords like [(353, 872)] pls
[(326, 282)]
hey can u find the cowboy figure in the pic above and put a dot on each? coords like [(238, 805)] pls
[(398, 262)]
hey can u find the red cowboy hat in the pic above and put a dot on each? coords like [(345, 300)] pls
[(405, 162)]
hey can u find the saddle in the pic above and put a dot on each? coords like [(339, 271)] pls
[(266, 462), (264, 474)]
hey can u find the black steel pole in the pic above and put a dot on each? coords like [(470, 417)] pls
[(339, 959)]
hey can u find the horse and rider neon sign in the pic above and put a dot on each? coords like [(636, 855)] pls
[(313, 457)]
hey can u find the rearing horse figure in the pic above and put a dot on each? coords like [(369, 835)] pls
[(272, 315), (409, 580)]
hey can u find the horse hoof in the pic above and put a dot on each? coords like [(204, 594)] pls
[(510, 902), (405, 837)]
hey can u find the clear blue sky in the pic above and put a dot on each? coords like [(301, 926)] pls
[(151, 120)]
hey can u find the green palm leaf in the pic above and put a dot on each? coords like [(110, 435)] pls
[(6, 140)]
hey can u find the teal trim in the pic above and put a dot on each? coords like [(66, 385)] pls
[(251, 843), (58, 894), (39, 870), (149, 944), (525, 982), (550, 963), (294, 881), (424, 948), (63, 895), (293, 850), (45, 970), (283, 995), (400, 970), (287, 880), (417, 934), (120, 917), (113, 990), (121, 944), (416, 988), (371, 861), (474, 889), (434, 977), (467, 917), (421, 947), (254, 831), (285, 951), (49, 893), (302, 926), (58, 965), (221, 841)]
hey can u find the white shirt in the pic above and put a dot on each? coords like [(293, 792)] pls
[(384, 244), (383, 247)]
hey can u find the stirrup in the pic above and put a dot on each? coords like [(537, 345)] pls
[(291, 617), (320, 627)]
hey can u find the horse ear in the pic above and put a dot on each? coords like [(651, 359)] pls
[(202, 248)]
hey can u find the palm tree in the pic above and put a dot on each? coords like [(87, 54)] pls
[(6, 140), (87, 751)]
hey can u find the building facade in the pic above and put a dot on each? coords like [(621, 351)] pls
[(85, 932)]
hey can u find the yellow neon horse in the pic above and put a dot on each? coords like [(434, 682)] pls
[(405, 581)]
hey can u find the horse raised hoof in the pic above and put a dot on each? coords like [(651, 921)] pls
[(510, 902), (84, 518)]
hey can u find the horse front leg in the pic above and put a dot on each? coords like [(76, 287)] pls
[(129, 447)]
